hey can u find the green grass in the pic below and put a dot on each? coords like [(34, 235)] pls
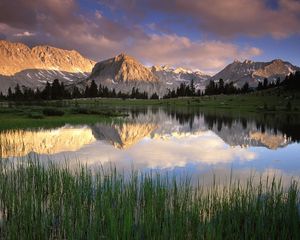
[(19, 116), (54, 202), (272, 100)]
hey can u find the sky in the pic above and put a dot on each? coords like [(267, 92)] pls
[(197, 34)]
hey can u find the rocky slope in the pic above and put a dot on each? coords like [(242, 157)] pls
[(253, 72), (33, 67), (124, 72), (173, 77)]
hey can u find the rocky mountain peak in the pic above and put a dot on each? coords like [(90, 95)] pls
[(33, 67), (17, 57), (122, 68), (253, 72)]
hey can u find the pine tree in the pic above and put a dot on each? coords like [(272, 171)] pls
[(266, 83), (193, 89), (210, 88), (37, 94), (76, 93), (56, 90), (221, 86), (18, 95), (47, 92), (260, 86), (245, 88), (86, 92), (2, 96), (9, 94), (93, 90), (154, 96)]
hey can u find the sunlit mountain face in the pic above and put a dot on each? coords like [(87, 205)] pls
[(165, 140)]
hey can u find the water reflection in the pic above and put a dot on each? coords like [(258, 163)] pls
[(168, 139), (18, 143)]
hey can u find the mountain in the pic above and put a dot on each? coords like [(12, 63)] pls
[(173, 77), (253, 72), (124, 72), (33, 67)]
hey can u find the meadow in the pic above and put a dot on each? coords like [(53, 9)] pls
[(49, 115), (271, 100), (51, 202)]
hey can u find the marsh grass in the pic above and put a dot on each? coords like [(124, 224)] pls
[(52, 202)]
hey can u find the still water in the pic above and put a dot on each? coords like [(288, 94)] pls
[(164, 140)]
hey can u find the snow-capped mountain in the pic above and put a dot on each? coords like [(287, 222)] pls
[(173, 77), (254, 72), (33, 67)]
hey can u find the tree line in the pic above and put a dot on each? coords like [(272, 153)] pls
[(57, 90), (292, 81)]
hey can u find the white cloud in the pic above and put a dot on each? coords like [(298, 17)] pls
[(209, 56), (24, 34)]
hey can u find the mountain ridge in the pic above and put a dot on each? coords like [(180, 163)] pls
[(254, 72), (124, 72), (33, 67)]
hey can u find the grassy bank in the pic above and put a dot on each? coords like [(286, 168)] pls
[(272, 100), (55, 203), (35, 116)]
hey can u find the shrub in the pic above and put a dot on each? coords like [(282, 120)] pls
[(36, 115), (53, 112)]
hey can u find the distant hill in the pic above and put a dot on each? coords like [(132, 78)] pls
[(253, 72)]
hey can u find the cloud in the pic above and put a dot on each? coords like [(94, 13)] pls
[(169, 153), (278, 18), (24, 34), (180, 51), (64, 24)]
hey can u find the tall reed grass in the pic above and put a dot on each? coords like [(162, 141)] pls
[(38, 202)]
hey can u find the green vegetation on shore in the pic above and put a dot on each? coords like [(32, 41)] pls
[(38, 202), (269, 100), (88, 111), (34, 116)]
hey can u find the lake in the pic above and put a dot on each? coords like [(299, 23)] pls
[(176, 141)]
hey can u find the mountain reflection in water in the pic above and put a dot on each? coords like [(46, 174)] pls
[(166, 139)]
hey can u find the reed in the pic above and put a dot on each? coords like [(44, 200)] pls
[(52, 202)]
